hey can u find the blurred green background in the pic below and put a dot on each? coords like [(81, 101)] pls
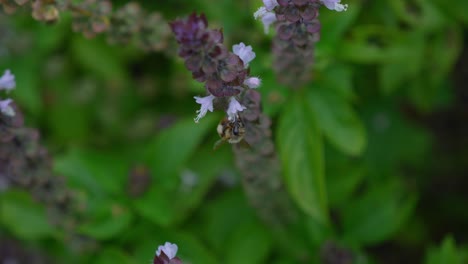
[(386, 117)]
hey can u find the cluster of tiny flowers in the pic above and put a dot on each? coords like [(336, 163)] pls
[(166, 254), (224, 73), (298, 28), (294, 8), (7, 83)]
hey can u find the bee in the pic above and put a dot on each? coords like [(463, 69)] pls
[(231, 131)]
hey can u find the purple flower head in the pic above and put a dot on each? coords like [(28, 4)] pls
[(335, 5), (7, 81), (206, 105), (186, 31), (245, 53), (206, 56), (5, 107)]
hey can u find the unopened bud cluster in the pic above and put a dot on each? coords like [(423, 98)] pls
[(225, 73), (260, 166), (93, 17), (25, 164), (298, 28)]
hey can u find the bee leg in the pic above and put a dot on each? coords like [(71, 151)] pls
[(218, 144)]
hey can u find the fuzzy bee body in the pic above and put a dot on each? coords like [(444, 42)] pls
[(231, 131)]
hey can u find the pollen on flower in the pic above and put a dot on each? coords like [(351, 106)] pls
[(233, 108), (7, 81), (244, 52), (206, 105)]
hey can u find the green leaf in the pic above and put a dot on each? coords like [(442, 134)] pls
[(335, 26), (446, 253), (378, 214), (167, 158), (338, 77), (250, 244), (110, 219), (301, 151), (360, 50), (27, 92), (405, 60), (456, 11), (98, 57), (392, 139), (168, 152), (218, 218), (24, 217), (338, 121), (113, 255), (101, 173), (146, 239), (341, 183)]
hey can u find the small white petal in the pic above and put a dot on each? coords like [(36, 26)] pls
[(335, 5), (244, 52), (340, 7), (169, 249), (206, 105), (260, 12), (267, 17), (7, 81), (270, 4), (234, 107), (253, 82)]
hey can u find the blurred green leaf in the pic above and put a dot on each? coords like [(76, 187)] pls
[(377, 214), (342, 182), (218, 218), (24, 217), (249, 244), (405, 60), (100, 172), (167, 157), (335, 27), (69, 122), (109, 220), (27, 90), (191, 250), (364, 46), (338, 78), (300, 148), (446, 253), (392, 140), (455, 10), (112, 255), (338, 121), (98, 57), (169, 150)]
